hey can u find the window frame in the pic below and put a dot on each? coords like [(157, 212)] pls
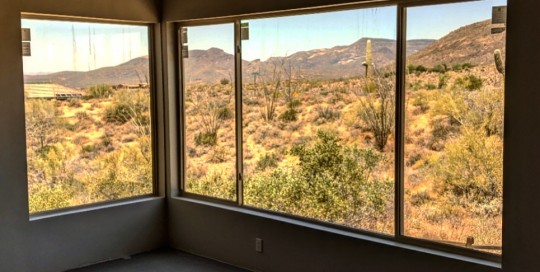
[(399, 129), (151, 34)]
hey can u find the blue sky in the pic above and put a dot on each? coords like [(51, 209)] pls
[(96, 45), (100, 45), (286, 35)]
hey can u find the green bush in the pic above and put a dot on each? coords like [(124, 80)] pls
[(206, 139), (430, 86), (331, 182), (100, 91), (469, 170), (216, 183), (443, 80), (224, 81), (439, 68), (470, 82), (224, 113), (128, 105), (267, 161), (289, 115), (327, 114)]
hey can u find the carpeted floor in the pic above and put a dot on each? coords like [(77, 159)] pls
[(164, 260)]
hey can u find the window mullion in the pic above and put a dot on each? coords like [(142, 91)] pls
[(238, 112), (400, 121)]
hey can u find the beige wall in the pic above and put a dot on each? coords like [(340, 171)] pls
[(67, 241)]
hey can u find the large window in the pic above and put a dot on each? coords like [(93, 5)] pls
[(454, 125), (208, 64), (340, 114), (88, 112), (318, 116)]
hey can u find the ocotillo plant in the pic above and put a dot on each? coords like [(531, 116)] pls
[(369, 59), (499, 61)]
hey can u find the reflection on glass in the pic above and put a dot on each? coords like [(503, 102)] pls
[(210, 152), (454, 125), (88, 116), (318, 116)]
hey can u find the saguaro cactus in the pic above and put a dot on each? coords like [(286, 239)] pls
[(369, 59), (499, 61)]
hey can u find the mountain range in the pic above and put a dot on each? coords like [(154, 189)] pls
[(472, 44)]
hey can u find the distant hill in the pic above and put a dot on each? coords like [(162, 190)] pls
[(134, 71), (473, 44), (209, 66), (340, 61), (469, 44)]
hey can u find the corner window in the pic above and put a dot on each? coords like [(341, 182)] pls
[(384, 120), (88, 112)]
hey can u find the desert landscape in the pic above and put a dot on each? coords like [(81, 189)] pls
[(318, 131)]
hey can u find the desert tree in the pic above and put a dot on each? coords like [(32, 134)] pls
[(290, 92), (207, 104), (271, 87), (377, 108), (41, 122)]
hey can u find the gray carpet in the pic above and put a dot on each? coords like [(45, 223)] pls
[(164, 260)]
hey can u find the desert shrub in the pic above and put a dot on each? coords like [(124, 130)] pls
[(218, 154), (420, 198), (421, 101), (457, 67), (74, 102), (467, 65), (81, 115), (206, 138), (430, 86), (481, 109), (267, 161), (45, 198), (416, 69), (120, 113), (100, 91), (420, 69), (326, 114), (224, 81), (469, 170), (51, 178), (439, 68), (224, 113), (216, 183), (125, 172), (127, 105), (331, 182), (41, 122), (208, 106), (289, 115), (470, 82), (443, 80)]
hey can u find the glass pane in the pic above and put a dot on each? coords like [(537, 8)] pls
[(318, 116), (454, 125), (210, 150), (88, 113)]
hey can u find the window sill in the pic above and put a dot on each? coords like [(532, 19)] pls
[(300, 223), (92, 207)]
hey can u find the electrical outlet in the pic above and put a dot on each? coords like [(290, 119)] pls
[(259, 245)]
